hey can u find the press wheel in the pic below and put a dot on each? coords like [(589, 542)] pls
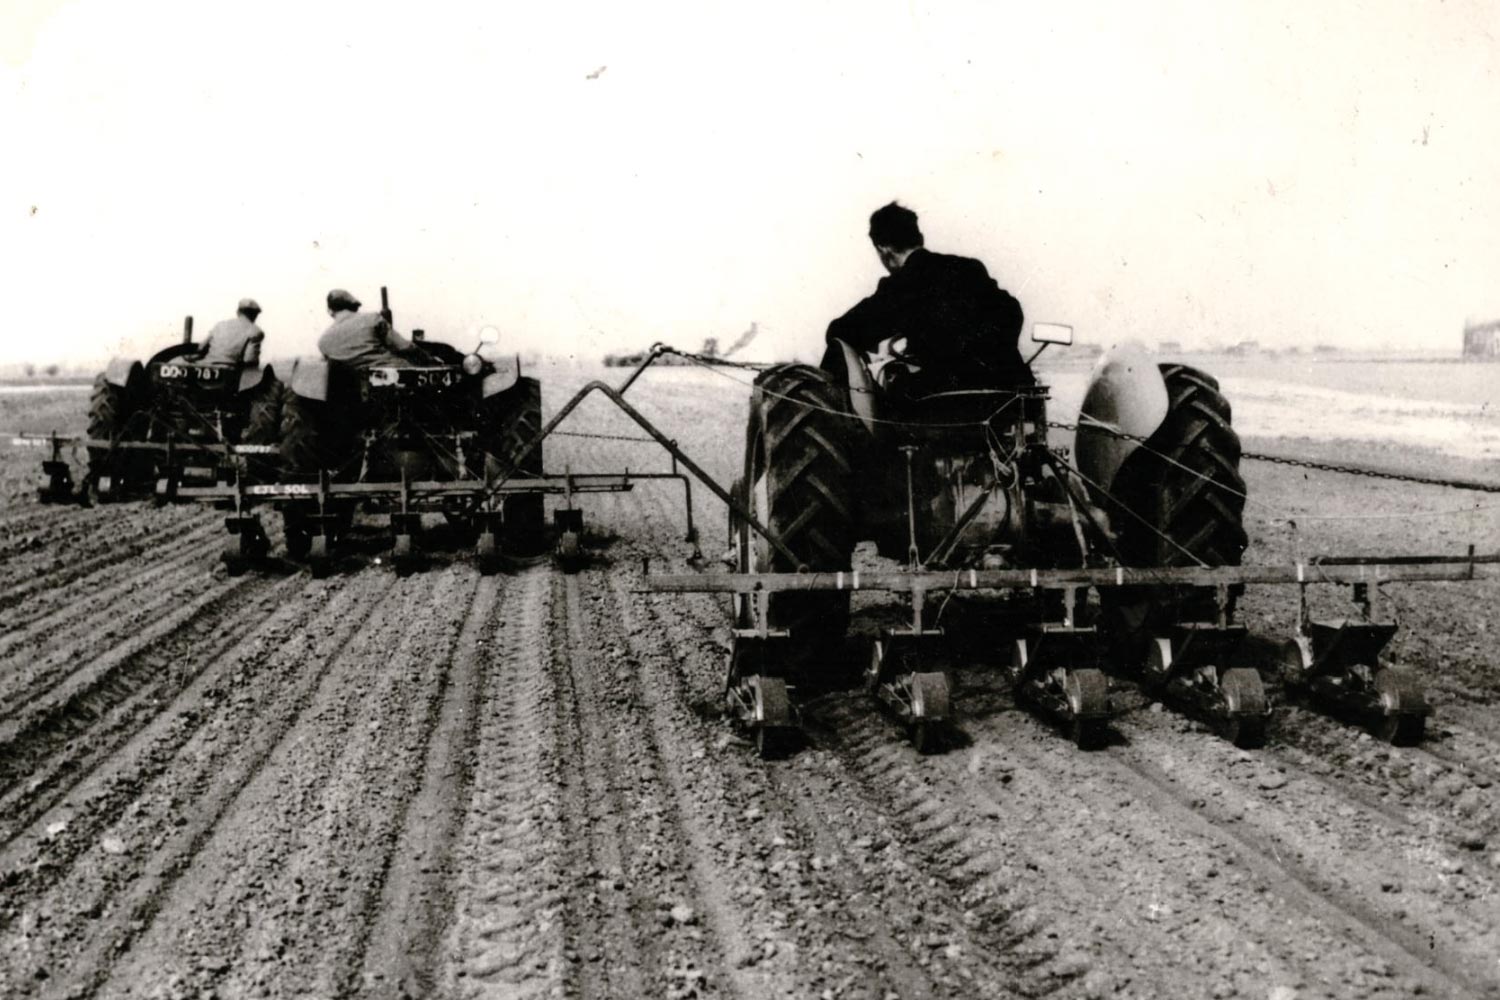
[(930, 704), (233, 555), (487, 553), (1087, 693), (1244, 695), (319, 558), (298, 537), (404, 555), (774, 728), (1403, 706)]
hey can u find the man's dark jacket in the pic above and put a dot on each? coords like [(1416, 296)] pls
[(961, 328)]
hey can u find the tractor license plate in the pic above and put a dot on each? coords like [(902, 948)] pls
[(283, 489), (190, 373), (415, 377)]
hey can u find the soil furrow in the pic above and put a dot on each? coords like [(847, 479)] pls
[(67, 614), (68, 748), (608, 952), (402, 951), (162, 797), (1421, 956), (312, 840), (58, 568), (102, 697), (1137, 907), (33, 672)]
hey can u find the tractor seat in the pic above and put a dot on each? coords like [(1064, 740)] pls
[(955, 416)]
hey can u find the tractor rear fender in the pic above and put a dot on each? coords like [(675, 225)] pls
[(507, 372), (310, 378), (252, 376), (124, 373), (861, 387), (1126, 395)]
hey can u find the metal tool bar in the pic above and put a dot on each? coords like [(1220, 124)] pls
[(219, 448), (594, 483), (1432, 568)]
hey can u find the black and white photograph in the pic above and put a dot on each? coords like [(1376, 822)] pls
[(923, 500)]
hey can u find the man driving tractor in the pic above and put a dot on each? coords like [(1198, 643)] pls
[(943, 317), (365, 340), (235, 341)]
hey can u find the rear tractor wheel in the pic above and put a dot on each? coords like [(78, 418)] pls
[(110, 409), (300, 438), (512, 420), (1178, 500), (799, 482), (263, 426)]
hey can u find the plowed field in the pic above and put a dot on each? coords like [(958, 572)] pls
[(523, 785)]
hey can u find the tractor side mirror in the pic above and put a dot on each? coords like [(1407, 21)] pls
[(489, 335), (1051, 333)]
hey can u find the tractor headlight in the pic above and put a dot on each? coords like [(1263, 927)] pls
[(473, 364)]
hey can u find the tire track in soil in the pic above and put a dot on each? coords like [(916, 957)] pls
[(505, 935), (1107, 897), (1309, 875), (77, 912), (51, 570), (59, 733), (284, 887), (869, 922), (402, 951)]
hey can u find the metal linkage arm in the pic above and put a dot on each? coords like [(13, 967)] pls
[(615, 397)]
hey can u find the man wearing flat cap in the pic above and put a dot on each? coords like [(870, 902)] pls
[(364, 340), (235, 341), (960, 329)]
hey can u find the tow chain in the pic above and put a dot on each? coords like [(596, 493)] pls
[(1301, 463)]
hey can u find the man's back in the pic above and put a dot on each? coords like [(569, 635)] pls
[(235, 341), (360, 339), (959, 325)]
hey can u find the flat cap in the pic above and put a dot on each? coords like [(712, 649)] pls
[(340, 299), (249, 305)]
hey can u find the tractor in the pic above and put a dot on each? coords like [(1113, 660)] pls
[(174, 420), (964, 489), (422, 437)]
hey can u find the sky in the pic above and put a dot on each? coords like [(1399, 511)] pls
[(589, 177)]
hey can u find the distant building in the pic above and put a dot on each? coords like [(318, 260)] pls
[(1244, 347), (1482, 341), (1169, 347)]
